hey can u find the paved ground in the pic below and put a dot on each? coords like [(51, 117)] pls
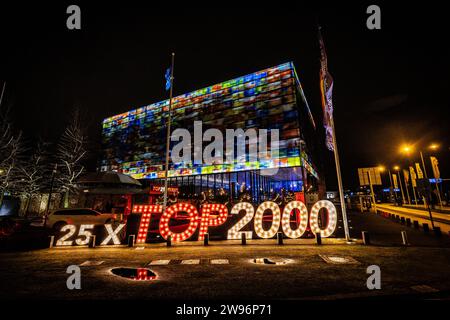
[(41, 274)]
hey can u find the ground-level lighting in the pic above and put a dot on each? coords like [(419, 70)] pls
[(138, 274), (271, 261)]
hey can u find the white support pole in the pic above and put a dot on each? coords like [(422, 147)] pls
[(339, 178), (169, 120), (372, 193), (3, 91)]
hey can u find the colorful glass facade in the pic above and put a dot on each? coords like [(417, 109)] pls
[(134, 141)]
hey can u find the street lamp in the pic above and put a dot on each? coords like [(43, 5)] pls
[(434, 146), (407, 149)]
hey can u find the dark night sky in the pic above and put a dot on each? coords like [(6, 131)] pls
[(390, 85)]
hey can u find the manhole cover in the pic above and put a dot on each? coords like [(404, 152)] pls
[(138, 274), (270, 261), (338, 259), (91, 263), (191, 261), (220, 261)]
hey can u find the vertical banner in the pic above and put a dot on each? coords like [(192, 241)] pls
[(437, 175), (326, 90), (435, 166), (394, 177), (406, 175), (413, 176), (419, 171)]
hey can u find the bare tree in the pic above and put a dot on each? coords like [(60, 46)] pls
[(11, 149), (71, 151), (34, 172)]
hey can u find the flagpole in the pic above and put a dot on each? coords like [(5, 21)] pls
[(339, 178), (412, 173), (401, 188), (169, 120), (433, 165), (406, 187), (328, 116)]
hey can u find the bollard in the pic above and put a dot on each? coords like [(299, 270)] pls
[(206, 239), (402, 220), (243, 238), (280, 237), (437, 232), (169, 241), (426, 229), (366, 237), (318, 238), (92, 241), (52, 241), (416, 224), (131, 239), (405, 238), (397, 218), (408, 222)]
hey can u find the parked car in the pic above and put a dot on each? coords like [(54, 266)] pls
[(60, 217)]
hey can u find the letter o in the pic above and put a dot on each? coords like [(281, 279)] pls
[(266, 234), (170, 211), (332, 218), (286, 221)]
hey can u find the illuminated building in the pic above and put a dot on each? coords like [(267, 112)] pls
[(134, 141)]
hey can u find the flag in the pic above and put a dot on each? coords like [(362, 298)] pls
[(394, 177), (419, 171), (326, 89), (406, 175), (434, 165), (413, 176), (167, 76)]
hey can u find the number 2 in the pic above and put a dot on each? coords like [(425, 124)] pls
[(62, 241), (234, 232)]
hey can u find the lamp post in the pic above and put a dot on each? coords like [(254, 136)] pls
[(407, 150), (392, 194), (372, 193)]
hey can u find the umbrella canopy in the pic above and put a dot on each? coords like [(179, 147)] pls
[(108, 178)]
